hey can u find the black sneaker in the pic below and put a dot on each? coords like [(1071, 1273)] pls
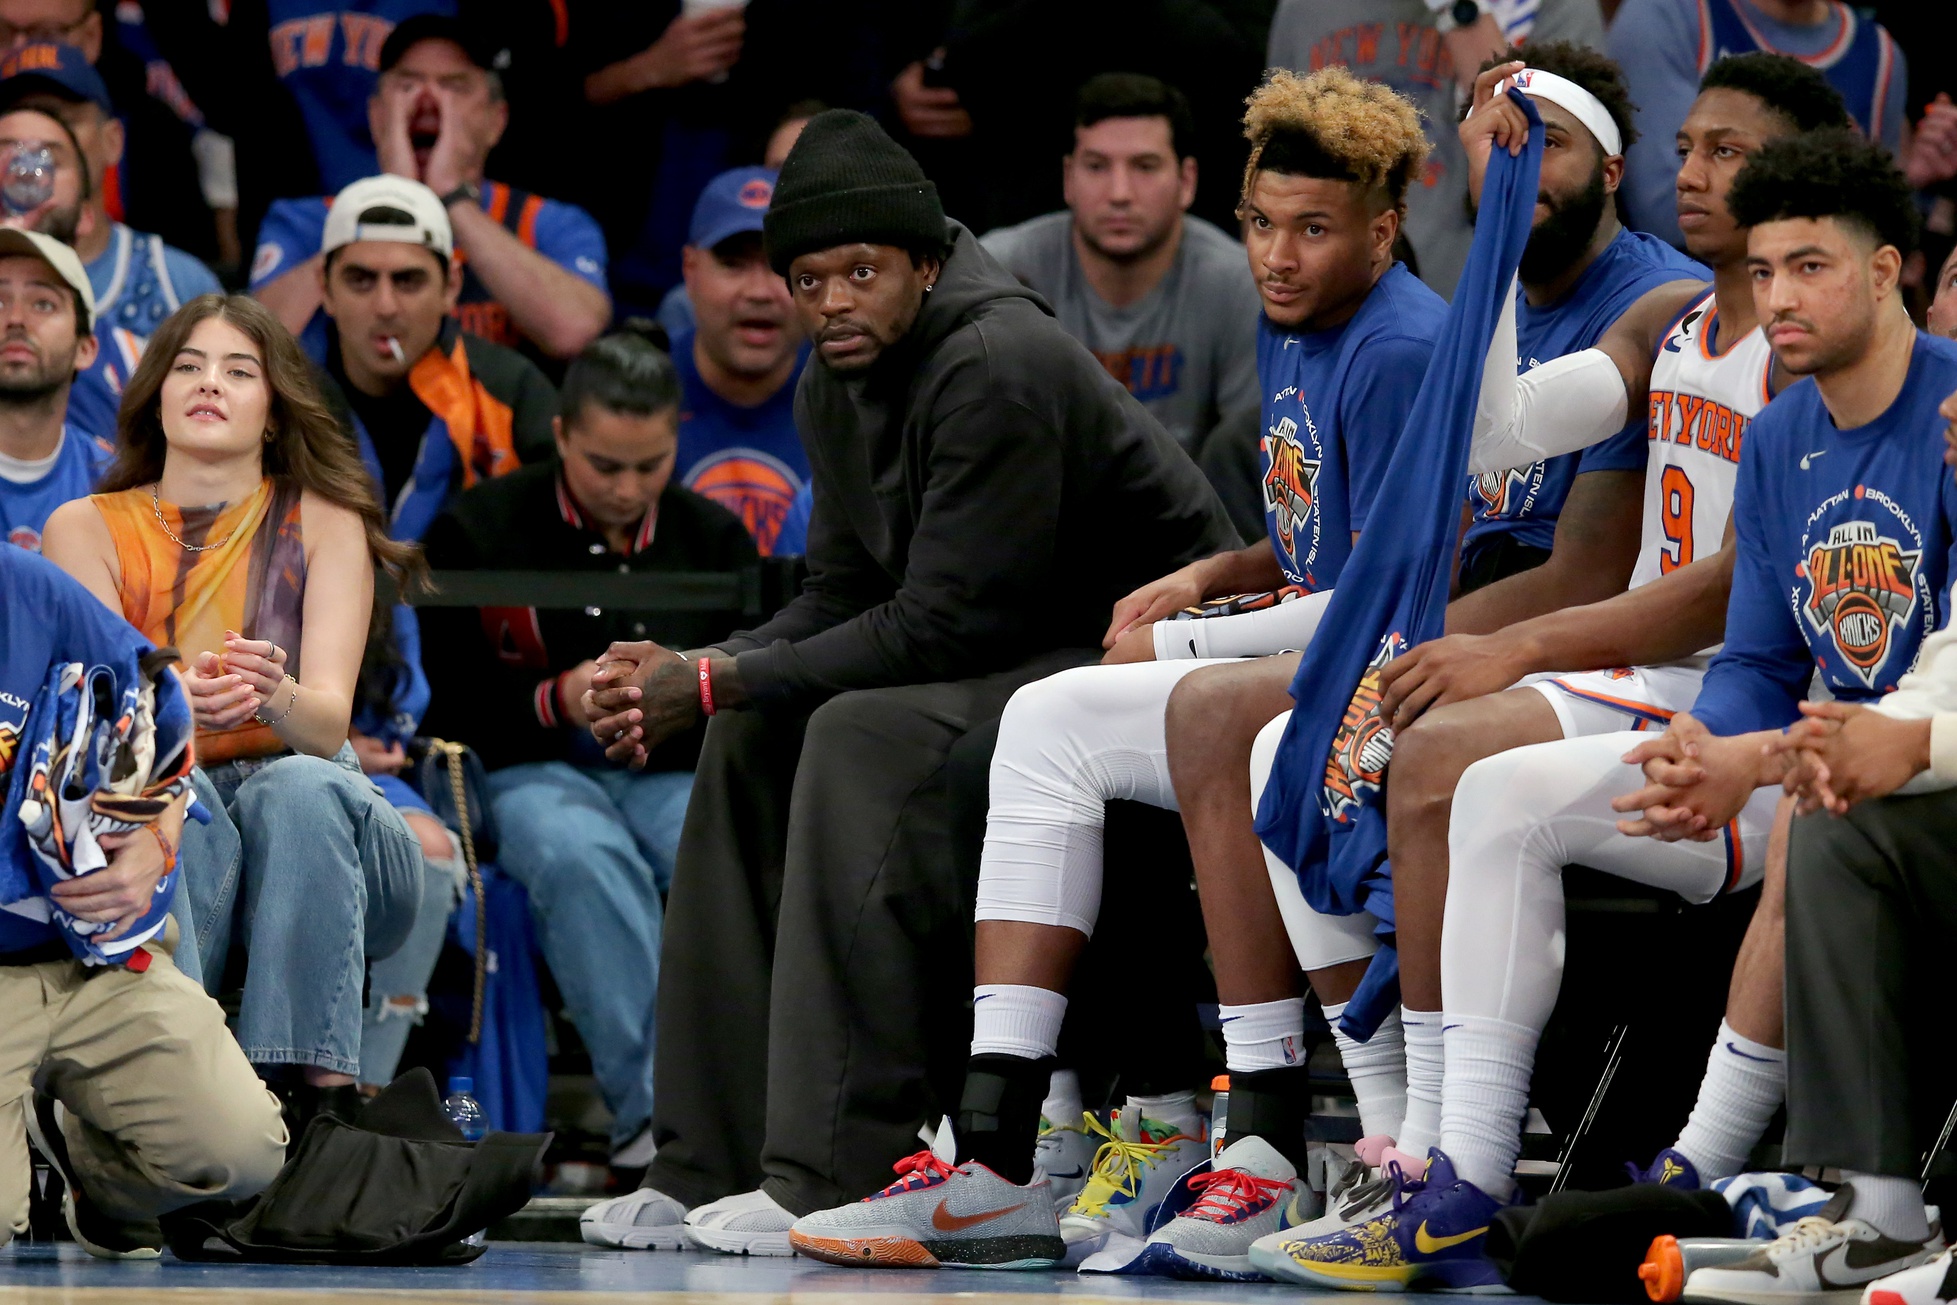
[(100, 1235)]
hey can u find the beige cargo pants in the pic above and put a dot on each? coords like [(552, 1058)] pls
[(163, 1108)]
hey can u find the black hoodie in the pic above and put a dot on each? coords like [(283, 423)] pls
[(983, 493)]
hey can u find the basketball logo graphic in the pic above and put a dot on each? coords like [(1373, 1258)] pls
[(1363, 745), (1289, 486), (1861, 589)]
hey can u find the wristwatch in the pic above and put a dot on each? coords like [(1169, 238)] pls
[(1450, 14), (470, 191)]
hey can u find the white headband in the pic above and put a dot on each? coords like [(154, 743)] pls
[(1581, 104)]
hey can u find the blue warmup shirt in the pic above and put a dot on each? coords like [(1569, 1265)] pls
[(293, 230), (45, 617), (1847, 545), (748, 460), (1322, 812), (78, 464), (1335, 402), (138, 281), (328, 56), (1523, 504)]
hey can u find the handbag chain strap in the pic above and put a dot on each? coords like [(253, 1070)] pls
[(453, 754)]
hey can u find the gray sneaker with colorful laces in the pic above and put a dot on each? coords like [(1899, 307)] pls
[(938, 1215)]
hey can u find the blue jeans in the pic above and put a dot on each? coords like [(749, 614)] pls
[(594, 848), (331, 876)]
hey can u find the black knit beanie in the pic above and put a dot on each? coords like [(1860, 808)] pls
[(846, 182)]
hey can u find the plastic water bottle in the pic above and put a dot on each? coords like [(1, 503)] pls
[(28, 180), (465, 1112), (1219, 1113)]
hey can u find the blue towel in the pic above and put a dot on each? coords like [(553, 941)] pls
[(1321, 812), (108, 748)]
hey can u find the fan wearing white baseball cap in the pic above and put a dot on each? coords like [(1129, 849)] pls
[(46, 308), (434, 408)]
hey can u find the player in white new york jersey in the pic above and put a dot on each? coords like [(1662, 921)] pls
[(1547, 752)]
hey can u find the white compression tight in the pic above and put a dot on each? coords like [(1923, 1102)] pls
[(1519, 818), (1069, 745)]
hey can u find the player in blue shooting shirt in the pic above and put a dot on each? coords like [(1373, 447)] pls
[(125, 1075)]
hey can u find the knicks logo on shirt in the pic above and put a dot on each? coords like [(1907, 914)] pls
[(25, 537), (753, 486), (1290, 488), (1504, 493), (1363, 744), (9, 746), (1861, 589)]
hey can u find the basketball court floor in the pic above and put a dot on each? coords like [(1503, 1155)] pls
[(530, 1273)]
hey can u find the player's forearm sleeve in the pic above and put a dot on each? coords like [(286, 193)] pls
[(1288, 627), (1568, 403)]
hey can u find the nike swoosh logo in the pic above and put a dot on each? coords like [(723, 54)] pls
[(945, 1221), (1812, 453), (1071, 1173), (1758, 1060), (1432, 1245)]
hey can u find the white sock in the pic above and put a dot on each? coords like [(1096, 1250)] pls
[(1062, 1107), (1012, 1019), (1268, 1035), (1745, 1083), (1175, 1110), (1425, 1065), (1485, 1098), (1892, 1206), (1378, 1070)]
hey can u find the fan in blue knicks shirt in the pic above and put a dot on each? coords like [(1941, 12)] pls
[(44, 341), (1844, 514)]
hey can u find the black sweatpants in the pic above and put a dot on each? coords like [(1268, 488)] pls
[(816, 969), (1871, 910)]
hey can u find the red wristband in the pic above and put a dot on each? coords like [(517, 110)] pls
[(706, 687)]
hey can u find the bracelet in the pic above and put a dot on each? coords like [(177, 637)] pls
[(169, 853), (706, 687), (259, 716)]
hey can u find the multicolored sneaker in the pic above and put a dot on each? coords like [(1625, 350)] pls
[(1823, 1257), (1249, 1190), (1930, 1283), (938, 1215), (1063, 1155), (1136, 1171), (1356, 1195), (1670, 1169), (1434, 1233)]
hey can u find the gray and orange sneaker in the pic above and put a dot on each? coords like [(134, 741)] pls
[(935, 1215)]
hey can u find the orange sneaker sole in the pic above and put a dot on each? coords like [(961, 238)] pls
[(876, 1252)]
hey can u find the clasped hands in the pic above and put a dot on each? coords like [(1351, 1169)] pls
[(1837, 755), (641, 694)]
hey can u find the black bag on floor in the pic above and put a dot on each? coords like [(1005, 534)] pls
[(1586, 1246), (397, 1186)]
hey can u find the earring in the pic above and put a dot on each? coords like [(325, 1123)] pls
[(270, 434)]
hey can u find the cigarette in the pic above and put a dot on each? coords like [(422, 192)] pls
[(394, 347)]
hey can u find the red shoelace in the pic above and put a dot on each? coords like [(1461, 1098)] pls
[(1228, 1191), (920, 1170)]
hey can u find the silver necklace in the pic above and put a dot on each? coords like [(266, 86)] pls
[(157, 507)]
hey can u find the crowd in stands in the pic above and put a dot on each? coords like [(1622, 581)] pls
[(1097, 378)]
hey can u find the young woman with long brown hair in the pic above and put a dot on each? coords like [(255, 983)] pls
[(239, 525)]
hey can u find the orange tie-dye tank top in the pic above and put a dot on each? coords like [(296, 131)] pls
[(253, 582)]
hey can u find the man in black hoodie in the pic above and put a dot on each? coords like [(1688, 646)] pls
[(984, 493)]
